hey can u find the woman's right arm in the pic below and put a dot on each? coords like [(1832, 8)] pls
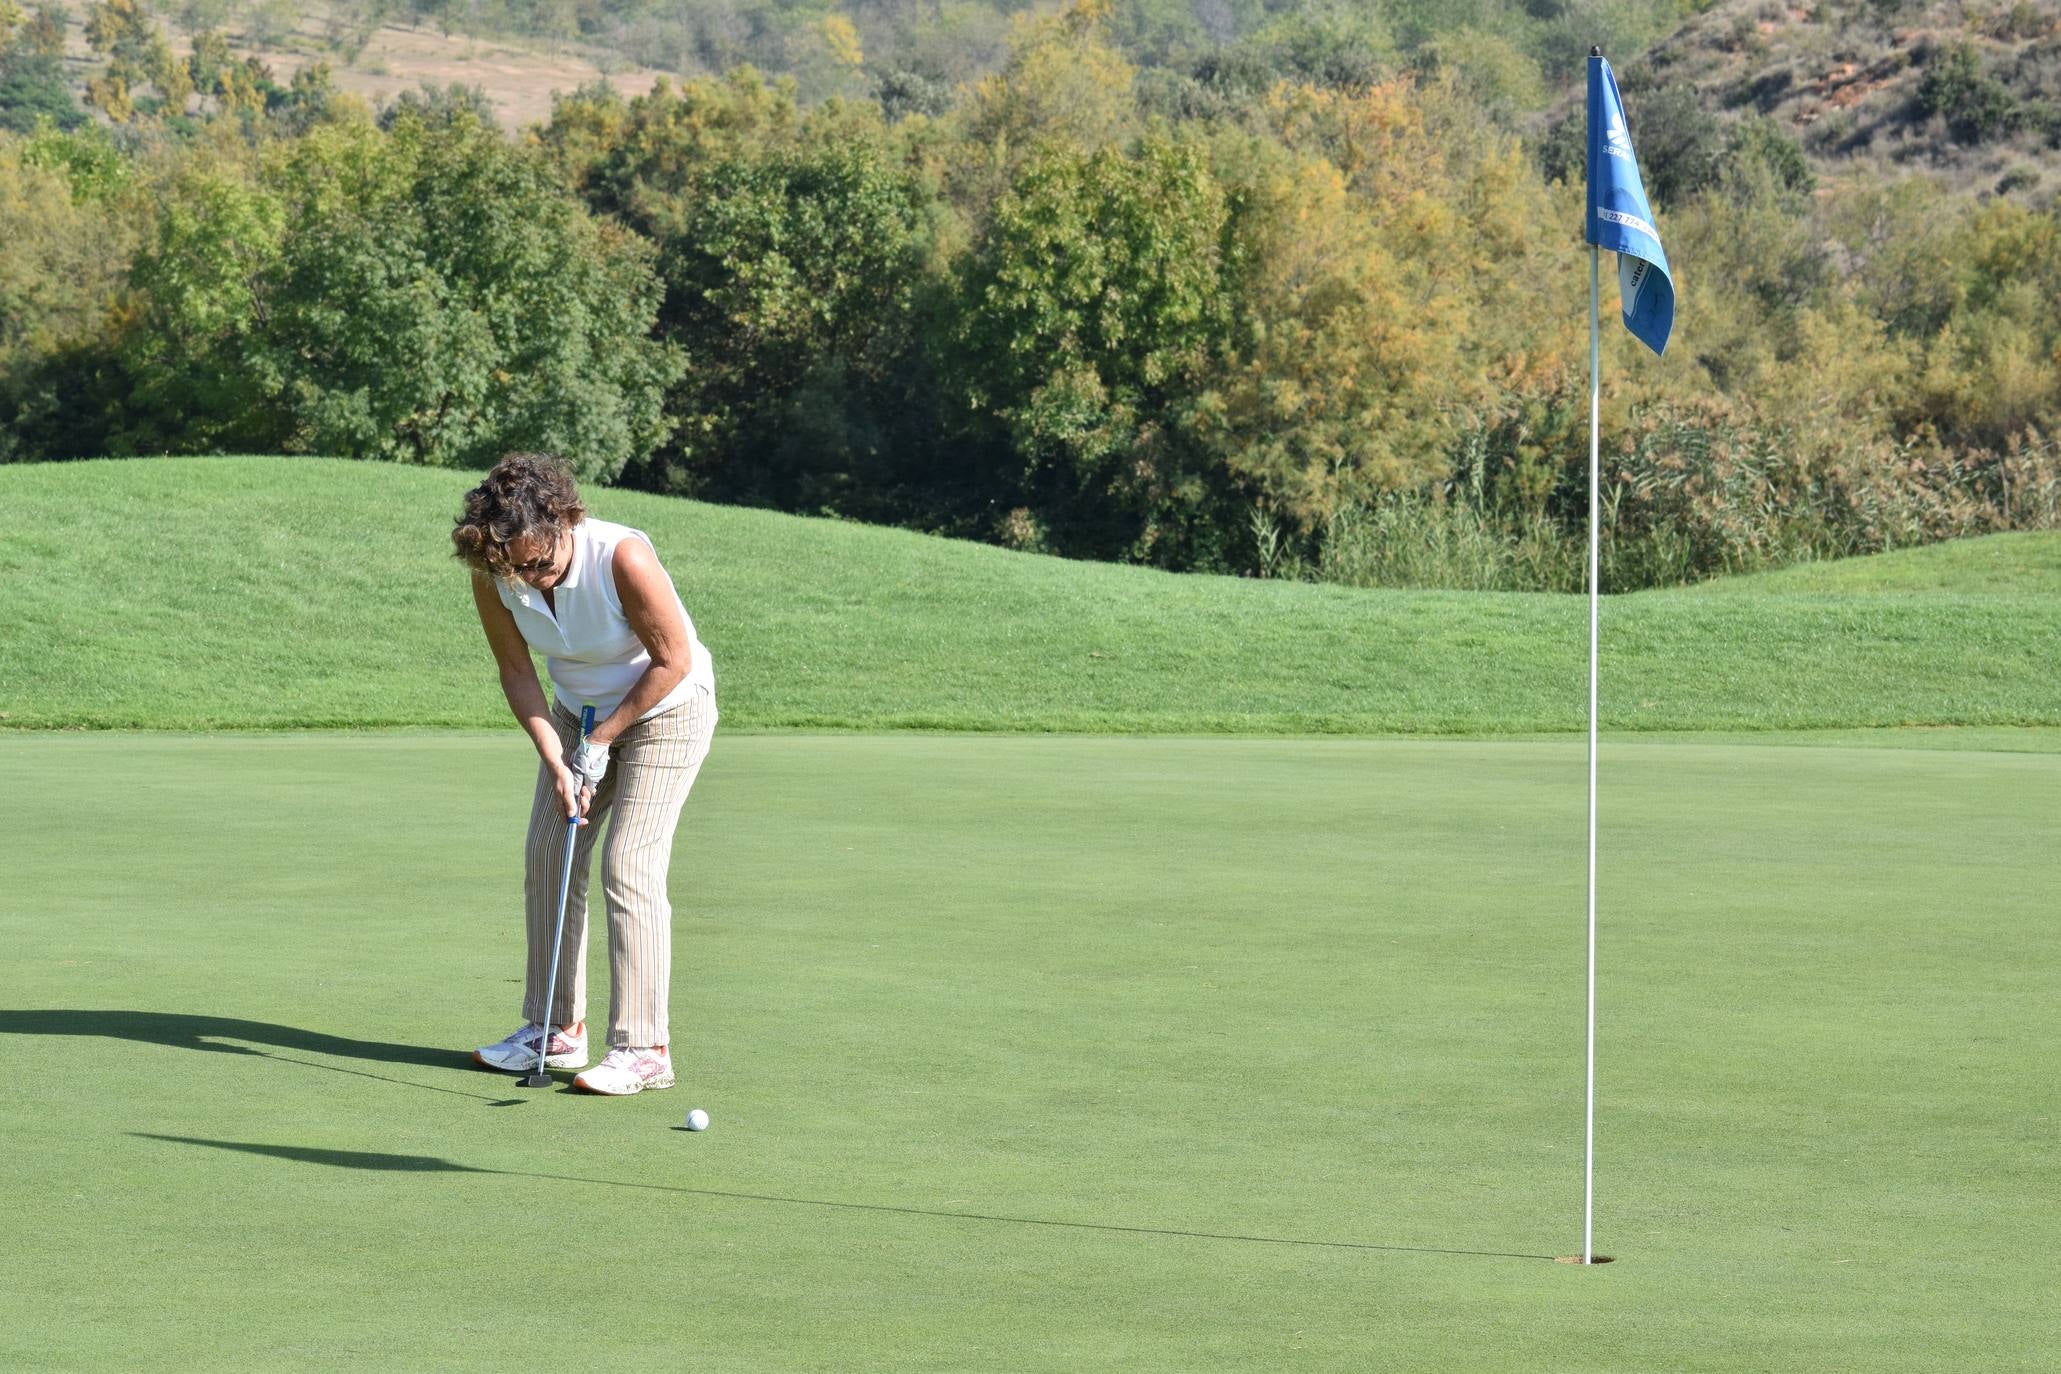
[(519, 684)]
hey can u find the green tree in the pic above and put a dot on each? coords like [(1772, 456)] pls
[(641, 160), (433, 104), (204, 294), (1342, 46), (1755, 141), (1092, 306), (793, 285), (426, 295), (439, 300), (1681, 145), (1497, 75), (1974, 106), (32, 90), (1346, 370), (1993, 370), (1899, 239), (43, 35)]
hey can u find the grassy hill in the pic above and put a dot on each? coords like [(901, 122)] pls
[(2025, 564), (292, 593)]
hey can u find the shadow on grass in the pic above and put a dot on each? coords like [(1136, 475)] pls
[(339, 1159), (187, 1032), (430, 1164)]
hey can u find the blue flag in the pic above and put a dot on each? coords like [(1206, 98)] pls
[(1621, 220)]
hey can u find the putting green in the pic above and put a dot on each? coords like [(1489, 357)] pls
[(1043, 1054)]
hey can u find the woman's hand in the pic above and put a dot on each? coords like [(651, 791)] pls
[(588, 760), (572, 797)]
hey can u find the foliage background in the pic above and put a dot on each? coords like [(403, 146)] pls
[(1279, 290)]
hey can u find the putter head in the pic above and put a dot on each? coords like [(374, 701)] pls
[(535, 1080)]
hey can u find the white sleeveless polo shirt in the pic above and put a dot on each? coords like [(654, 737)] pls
[(590, 650)]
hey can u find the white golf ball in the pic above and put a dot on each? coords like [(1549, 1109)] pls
[(697, 1120)]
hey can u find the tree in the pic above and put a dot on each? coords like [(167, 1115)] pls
[(1346, 369), (1090, 308), (1993, 370), (1975, 106), (32, 83), (427, 295), (70, 218), (1343, 46), (1758, 141), (792, 285), (197, 355), (1495, 72), (642, 160), (1681, 146), (438, 300), (1063, 83), (137, 58), (440, 105)]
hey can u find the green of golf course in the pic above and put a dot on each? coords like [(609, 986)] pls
[(1043, 1054), (1084, 967)]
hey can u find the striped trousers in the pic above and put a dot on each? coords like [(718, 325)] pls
[(652, 765)]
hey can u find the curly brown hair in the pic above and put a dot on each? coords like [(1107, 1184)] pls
[(526, 493)]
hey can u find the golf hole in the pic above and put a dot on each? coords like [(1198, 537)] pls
[(1577, 1259)]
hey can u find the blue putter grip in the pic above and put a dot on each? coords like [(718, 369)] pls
[(586, 729)]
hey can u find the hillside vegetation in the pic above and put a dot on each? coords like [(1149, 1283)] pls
[(275, 593), (1307, 304), (916, 49), (1970, 92)]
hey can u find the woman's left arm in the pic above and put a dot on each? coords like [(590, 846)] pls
[(654, 613)]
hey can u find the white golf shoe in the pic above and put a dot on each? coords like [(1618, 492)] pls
[(628, 1069), (518, 1053)]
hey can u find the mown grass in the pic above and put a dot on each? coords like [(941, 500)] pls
[(1042, 1054), (293, 593), (2025, 564)]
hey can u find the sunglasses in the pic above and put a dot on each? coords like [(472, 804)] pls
[(542, 564)]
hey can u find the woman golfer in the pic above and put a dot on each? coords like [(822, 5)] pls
[(593, 599)]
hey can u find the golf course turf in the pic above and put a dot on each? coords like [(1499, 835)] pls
[(209, 593), (1039, 1054), (1030, 1051)]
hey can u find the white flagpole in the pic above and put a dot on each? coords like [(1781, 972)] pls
[(1595, 604)]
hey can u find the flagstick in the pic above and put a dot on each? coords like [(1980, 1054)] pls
[(1595, 603)]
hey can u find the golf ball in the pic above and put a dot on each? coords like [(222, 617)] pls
[(697, 1120)]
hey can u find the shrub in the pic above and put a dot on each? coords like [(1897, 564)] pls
[(32, 91), (1974, 106), (1681, 145), (1755, 142)]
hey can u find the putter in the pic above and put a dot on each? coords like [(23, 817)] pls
[(540, 1079)]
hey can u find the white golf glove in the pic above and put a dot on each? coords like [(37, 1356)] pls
[(589, 763)]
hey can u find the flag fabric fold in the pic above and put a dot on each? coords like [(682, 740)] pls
[(1620, 218)]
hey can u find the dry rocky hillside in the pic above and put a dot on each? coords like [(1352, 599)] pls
[(1967, 91), (517, 77)]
